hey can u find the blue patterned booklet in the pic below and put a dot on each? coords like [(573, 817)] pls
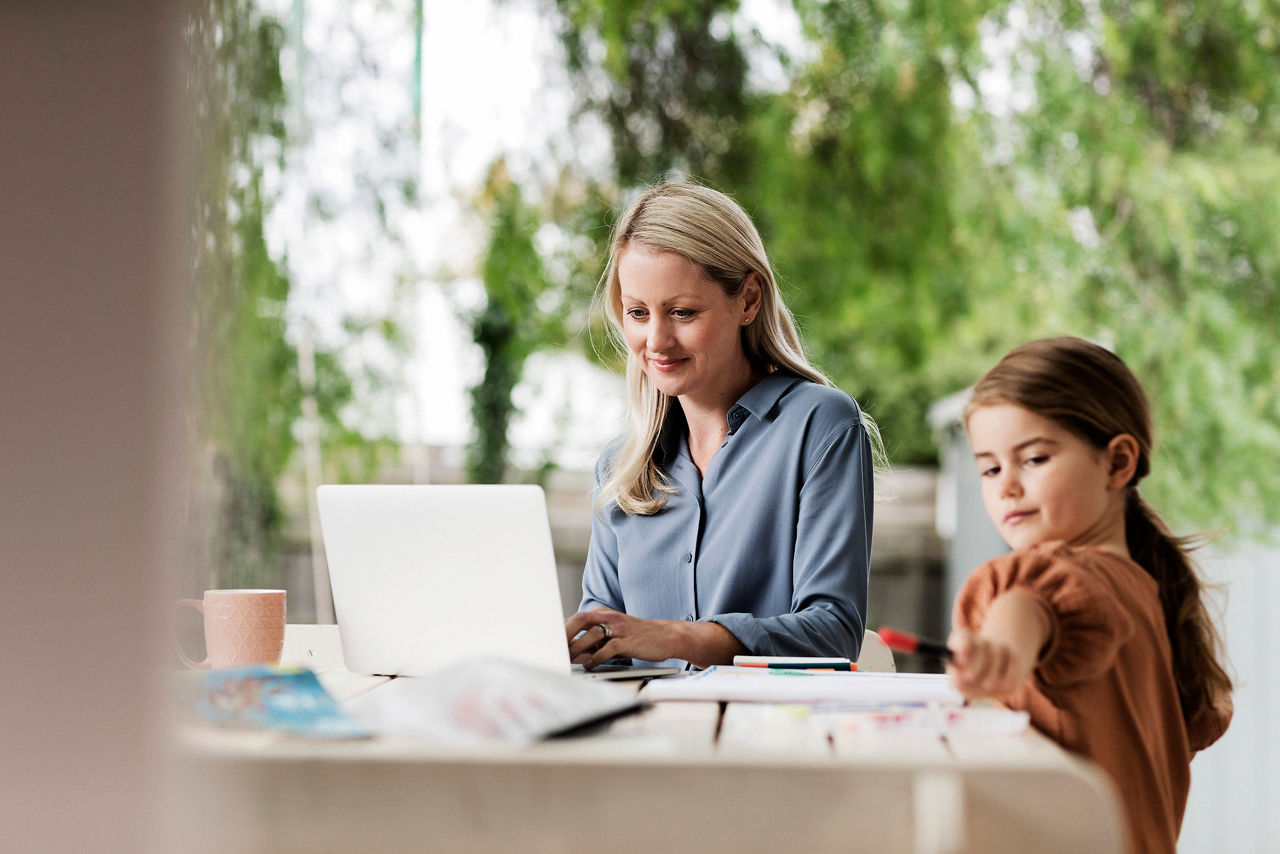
[(289, 700)]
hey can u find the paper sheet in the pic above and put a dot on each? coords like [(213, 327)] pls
[(748, 684)]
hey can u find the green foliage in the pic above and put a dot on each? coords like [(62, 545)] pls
[(672, 90), (247, 394), (862, 206), (519, 317), (1118, 182), (1157, 169)]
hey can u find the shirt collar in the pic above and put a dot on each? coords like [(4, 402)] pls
[(757, 400), (762, 396)]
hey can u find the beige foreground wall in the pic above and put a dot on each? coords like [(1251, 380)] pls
[(89, 333)]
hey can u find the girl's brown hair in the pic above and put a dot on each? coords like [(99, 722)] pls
[(1088, 390)]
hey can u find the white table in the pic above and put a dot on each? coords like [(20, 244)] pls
[(682, 776)]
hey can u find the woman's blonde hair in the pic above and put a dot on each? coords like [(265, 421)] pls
[(712, 231)]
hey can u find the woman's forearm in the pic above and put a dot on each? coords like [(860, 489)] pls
[(704, 644)]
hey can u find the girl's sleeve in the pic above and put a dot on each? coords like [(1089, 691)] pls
[(1087, 627)]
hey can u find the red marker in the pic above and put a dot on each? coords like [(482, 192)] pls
[(904, 642)]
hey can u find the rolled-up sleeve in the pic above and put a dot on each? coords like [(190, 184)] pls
[(832, 556)]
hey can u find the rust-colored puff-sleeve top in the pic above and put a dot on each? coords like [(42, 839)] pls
[(1104, 687)]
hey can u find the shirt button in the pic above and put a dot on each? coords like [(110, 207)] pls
[(688, 558)]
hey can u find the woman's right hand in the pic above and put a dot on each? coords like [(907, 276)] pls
[(600, 634)]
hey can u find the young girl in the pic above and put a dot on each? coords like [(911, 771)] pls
[(1094, 623)]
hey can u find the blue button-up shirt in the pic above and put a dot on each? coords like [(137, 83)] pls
[(774, 543)]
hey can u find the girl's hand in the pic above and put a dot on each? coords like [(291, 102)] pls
[(997, 661), (986, 667)]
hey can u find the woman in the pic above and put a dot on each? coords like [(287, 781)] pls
[(735, 515)]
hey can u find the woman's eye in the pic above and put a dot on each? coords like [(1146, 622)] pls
[(1036, 460), (636, 313), (681, 313), (991, 472)]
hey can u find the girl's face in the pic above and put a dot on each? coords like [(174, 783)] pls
[(681, 327), (1041, 482)]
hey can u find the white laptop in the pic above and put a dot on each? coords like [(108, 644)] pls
[(427, 576)]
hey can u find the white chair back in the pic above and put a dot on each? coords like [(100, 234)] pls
[(875, 657)]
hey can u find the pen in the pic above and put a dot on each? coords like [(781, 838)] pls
[(906, 642), (800, 665)]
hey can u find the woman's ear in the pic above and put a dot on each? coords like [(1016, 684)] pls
[(751, 298), (1122, 460)]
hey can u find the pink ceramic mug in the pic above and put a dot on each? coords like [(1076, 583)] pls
[(240, 627)]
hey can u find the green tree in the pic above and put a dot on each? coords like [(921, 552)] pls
[(520, 316), (940, 180), (859, 189), (245, 387), (1165, 144), (668, 79)]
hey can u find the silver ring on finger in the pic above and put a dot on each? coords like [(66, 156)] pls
[(604, 628)]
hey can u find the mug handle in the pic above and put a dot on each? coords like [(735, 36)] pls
[(194, 665)]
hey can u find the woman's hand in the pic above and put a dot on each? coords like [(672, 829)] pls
[(600, 634), (606, 633)]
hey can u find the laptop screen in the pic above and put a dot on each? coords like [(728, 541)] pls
[(425, 576)]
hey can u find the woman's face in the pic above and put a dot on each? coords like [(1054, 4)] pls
[(681, 327), (1042, 482)]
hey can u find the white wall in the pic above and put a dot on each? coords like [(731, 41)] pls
[(1235, 784)]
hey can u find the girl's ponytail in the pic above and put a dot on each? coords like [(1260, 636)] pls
[(1203, 684)]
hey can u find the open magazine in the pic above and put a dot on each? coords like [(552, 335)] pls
[(289, 700), (492, 701)]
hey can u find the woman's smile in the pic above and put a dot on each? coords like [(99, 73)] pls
[(667, 364)]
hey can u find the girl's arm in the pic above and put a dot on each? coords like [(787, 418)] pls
[(998, 659)]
